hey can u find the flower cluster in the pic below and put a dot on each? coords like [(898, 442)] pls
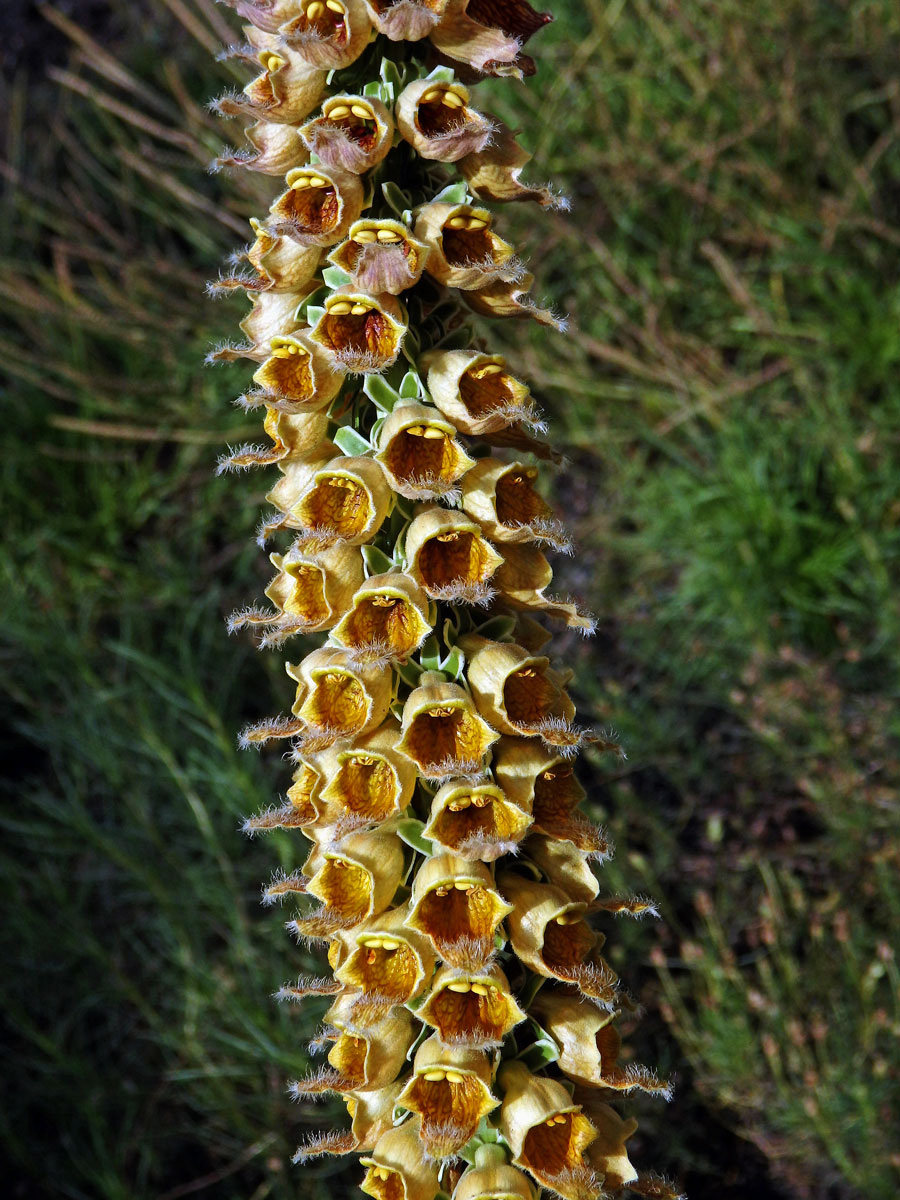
[(451, 876)]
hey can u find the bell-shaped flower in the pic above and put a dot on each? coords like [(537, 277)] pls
[(296, 437), (448, 556), (549, 935), (540, 781), (338, 698), (367, 781), (276, 149), (522, 580), (311, 593), (608, 1154), (328, 33), (343, 500), (296, 478), (266, 15), (501, 497), (405, 20), (476, 392), (302, 809), (420, 454), (272, 315), (510, 297), (436, 120), (450, 1092), (455, 904), (492, 174), (286, 91), (381, 256), (389, 964), (397, 1168), (371, 1114), (359, 332), (319, 205), (497, 1181), (565, 866), (519, 693), (357, 879), (476, 821), (353, 133), (547, 1131), (471, 1008), (589, 1045), (368, 1057), (387, 620), (488, 35), (298, 375), (442, 732), (463, 252), (281, 263)]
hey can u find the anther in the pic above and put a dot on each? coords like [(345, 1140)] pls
[(451, 100), (390, 944), (481, 801), (364, 236), (388, 235), (459, 987), (479, 989), (453, 536), (431, 94), (457, 223), (340, 308), (303, 182), (360, 110), (476, 223), (315, 10), (432, 434), (335, 6), (317, 181), (454, 1076), (358, 309), (339, 110)]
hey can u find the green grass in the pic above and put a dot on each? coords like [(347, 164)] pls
[(727, 394)]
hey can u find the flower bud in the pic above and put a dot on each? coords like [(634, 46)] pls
[(501, 497), (463, 251), (471, 1008), (387, 621), (319, 206), (475, 822), (442, 732), (368, 780), (353, 133), (338, 698), (547, 1132), (361, 333), (381, 256), (419, 453), (389, 963), (397, 1169), (455, 904), (450, 1091), (476, 392), (436, 120), (448, 556), (330, 35)]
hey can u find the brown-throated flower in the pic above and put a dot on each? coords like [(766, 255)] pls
[(442, 731), (511, 298), (301, 810), (471, 1008), (547, 1132), (476, 392), (337, 697), (476, 821), (361, 333), (405, 20), (488, 34), (276, 149), (357, 879), (381, 256), (448, 556), (436, 120), (312, 593), (565, 866), (418, 450), (495, 1181), (450, 1091), (501, 497), (389, 963), (272, 314), (298, 375), (286, 91), (549, 934), (397, 1169), (522, 580), (372, 1056), (388, 619), (367, 781), (517, 692), (463, 251), (343, 500), (319, 205), (328, 33), (280, 264), (353, 133), (455, 904), (493, 173)]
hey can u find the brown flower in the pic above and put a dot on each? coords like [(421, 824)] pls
[(473, 1008), (449, 558), (353, 133), (517, 692), (361, 333), (493, 173), (501, 497), (476, 392), (276, 149), (476, 821), (288, 87), (450, 1091), (420, 454), (328, 33), (510, 298), (272, 315), (368, 1057), (488, 34), (463, 251), (442, 731), (368, 781), (389, 963), (455, 904), (436, 120), (522, 580), (343, 500), (319, 206), (381, 256), (388, 620)]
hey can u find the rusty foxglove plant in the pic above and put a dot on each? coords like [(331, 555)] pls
[(450, 876)]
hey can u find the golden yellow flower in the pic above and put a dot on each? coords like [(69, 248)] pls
[(298, 374), (517, 692), (455, 904), (359, 332), (337, 697), (420, 454), (476, 821), (353, 133), (501, 497), (496, 1181), (463, 250), (368, 780), (319, 206), (448, 556), (607, 1153), (471, 1008), (272, 314), (397, 1169), (450, 1091), (368, 1057), (381, 256), (311, 594), (442, 731), (436, 120), (357, 879), (388, 964), (343, 500), (388, 619), (476, 392), (328, 33)]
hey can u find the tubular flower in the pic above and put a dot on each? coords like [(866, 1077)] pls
[(450, 874)]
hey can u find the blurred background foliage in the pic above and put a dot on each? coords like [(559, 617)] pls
[(729, 403)]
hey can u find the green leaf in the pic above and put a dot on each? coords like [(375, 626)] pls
[(456, 193), (380, 393), (335, 277), (430, 656), (498, 629), (409, 830), (314, 313), (441, 75), (409, 672), (396, 199), (410, 386), (377, 562), (390, 75), (349, 442), (454, 662)]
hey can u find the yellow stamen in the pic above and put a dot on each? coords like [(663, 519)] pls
[(451, 100), (360, 110), (338, 111)]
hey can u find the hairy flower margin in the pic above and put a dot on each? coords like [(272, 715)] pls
[(451, 877)]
